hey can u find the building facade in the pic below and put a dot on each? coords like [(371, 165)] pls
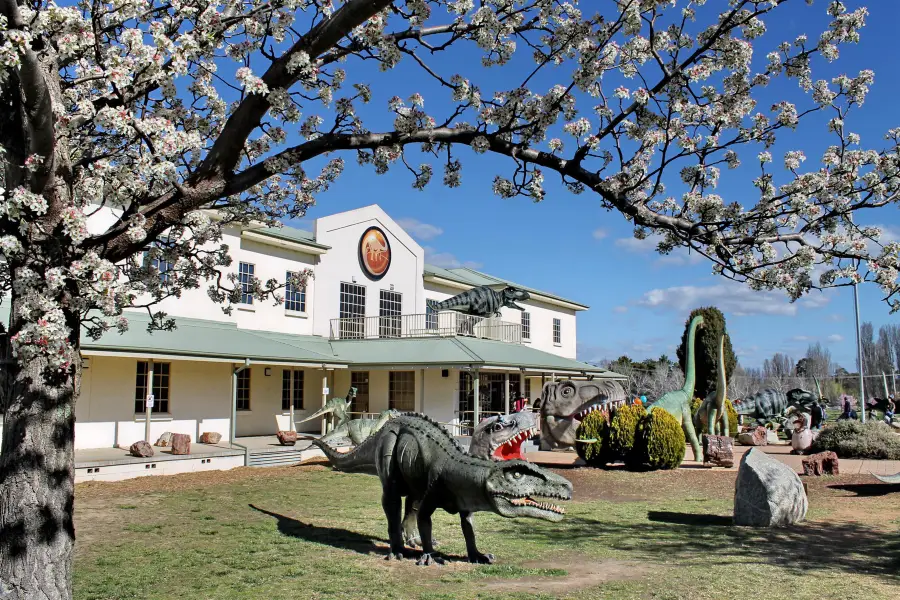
[(362, 321)]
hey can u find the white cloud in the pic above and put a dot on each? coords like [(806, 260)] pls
[(730, 297), (620, 309), (446, 260), (644, 246), (748, 351), (801, 338), (419, 230), (599, 234), (836, 317), (835, 338)]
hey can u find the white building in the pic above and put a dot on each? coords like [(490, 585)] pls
[(362, 321)]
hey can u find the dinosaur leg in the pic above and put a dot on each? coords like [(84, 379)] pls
[(712, 419), (429, 556), (725, 424), (411, 524), (466, 520), (690, 434), (391, 502)]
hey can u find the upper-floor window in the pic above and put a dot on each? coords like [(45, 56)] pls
[(402, 390), (353, 311), (526, 326), (431, 318), (389, 311), (243, 390), (291, 389), (294, 296), (557, 331), (245, 278), (160, 387), (156, 262)]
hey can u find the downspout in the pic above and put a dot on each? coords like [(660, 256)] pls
[(234, 374)]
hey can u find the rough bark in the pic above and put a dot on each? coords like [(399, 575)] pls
[(37, 478)]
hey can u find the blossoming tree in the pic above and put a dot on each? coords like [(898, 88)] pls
[(183, 116)]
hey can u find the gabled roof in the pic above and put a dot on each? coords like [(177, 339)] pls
[(292, 235)]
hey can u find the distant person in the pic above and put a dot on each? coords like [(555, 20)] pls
[(519, 405), (818, 416), (847, 411), (889, 411)]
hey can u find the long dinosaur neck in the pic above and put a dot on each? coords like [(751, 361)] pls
[(689, 373), (722, 383)]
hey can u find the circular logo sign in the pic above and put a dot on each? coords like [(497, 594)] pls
[(374, 253)]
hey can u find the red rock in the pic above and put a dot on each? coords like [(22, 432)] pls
[(287, 438), (164, 440), (823, 463), (141, 449), (757, 437), (181, 443), (210, 437), (718, 451)]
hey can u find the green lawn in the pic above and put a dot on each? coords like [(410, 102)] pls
[(308, 532)]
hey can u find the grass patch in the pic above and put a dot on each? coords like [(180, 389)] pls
[(315, 534)]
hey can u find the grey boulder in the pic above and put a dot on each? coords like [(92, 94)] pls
[(767, 493)]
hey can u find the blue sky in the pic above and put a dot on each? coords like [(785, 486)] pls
[(570, 246)]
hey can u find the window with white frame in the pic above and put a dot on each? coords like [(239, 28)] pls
[(389, 311), (160, 386), (294, 296), (243, 390), (526, 325), (245, 278), (527, 391), (557, 331), (156, 261), (291, 389), (352, 311), (431, 318), (402, 390)]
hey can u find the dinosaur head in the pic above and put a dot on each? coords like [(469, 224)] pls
[(502, 436), (511, 294), (564, 404), (338, 406), (518, 488)]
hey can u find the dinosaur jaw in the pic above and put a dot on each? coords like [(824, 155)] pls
[(530, 506), (512, 448), (585, 409)]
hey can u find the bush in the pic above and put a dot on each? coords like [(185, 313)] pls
[(593, 426), (659, 442), (622, 430), (852, 439)]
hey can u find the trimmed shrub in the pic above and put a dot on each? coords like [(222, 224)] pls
[(659, 443), (594, 426), (852, 439), (623, 429)]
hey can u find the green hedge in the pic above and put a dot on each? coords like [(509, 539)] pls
[(659, 443), (622, 430), (594, 426)]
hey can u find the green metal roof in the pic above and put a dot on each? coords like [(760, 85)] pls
[(474, 278), (458, 351), (291, 235)]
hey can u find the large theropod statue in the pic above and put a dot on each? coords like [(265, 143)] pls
[(482, 301), (417, 458), (564, 404), (678, 402)]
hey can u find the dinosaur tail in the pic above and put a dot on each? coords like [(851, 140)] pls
[(318, 414), (888, 478), (432, 304), (361, 457), (689, 375)]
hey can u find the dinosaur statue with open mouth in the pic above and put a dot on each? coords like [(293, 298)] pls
[(563, 405), (501, 437), (417, 458)]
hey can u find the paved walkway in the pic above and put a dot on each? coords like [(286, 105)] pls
[(848, 466)]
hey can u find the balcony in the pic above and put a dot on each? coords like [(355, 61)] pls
[(432, 325)]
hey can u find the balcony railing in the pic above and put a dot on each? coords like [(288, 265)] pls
[(442, 324)]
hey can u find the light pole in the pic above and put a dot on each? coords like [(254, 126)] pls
[(859, 355)]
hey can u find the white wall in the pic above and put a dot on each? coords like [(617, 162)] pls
[(265, 401), (199, 401), (342, 233), (542, 316)]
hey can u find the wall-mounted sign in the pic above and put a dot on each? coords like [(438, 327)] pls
[(374, 253)]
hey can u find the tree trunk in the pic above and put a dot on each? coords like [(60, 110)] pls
[(37, 475)]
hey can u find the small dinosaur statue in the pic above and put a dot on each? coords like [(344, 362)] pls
[(678, 402), (416, 457), (482, 301), (771, 403), (356, 430), (713, 406)]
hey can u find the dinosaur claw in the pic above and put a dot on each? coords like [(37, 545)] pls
[(427, 560), (394, 556), (482, 559)]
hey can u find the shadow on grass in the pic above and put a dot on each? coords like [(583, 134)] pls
[(678, 518), (339, 538), (868, 489), (710, 540)]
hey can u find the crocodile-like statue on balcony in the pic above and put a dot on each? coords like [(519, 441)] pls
[(482, 301)]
